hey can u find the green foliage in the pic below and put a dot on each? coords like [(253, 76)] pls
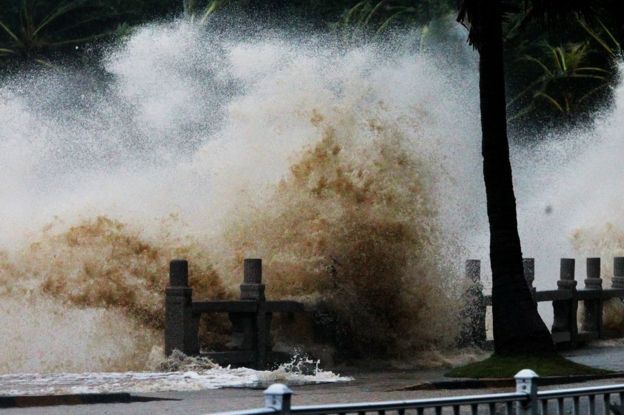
[(566, 79), (368, 17), (201, 13), (507, 366), (376, 16), (604, 38), (565, 73), (35, 31), (562, 74)]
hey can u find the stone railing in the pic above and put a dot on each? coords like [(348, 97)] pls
[(250, 316), (566, 330)]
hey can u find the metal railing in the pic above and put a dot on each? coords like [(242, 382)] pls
[(526, 400)]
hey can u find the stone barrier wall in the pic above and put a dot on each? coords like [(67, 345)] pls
[(565, 300), (251, 318)]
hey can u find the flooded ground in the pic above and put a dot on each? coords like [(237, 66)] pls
[(199, 396), (140, 382)]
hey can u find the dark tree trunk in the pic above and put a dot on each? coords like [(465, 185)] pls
[(518, 328)]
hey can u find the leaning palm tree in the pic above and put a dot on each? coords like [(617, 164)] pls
[(517, 326)]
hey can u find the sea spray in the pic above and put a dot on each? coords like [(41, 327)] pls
[(177, 373), (352, 227), (354, 172), (42, 334)]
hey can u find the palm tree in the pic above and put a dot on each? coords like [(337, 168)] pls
[(518, 328)]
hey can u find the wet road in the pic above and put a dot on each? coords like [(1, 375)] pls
[(608, 354), (367, 386)]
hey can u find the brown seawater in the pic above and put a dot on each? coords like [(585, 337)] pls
[(216, 148)]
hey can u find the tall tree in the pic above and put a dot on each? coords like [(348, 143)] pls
[(518, 328)]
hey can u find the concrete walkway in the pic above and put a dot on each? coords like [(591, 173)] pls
[(607, 354)]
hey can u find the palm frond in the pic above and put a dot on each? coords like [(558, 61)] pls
[(10, 32), (201, 14), (536, 61), (554, 11), (472, 14), (58, 12), (565, 78), (614, 49), (32, 35), (592, 92), (373, 11), (389, 21), (369, 17), (550, 100)]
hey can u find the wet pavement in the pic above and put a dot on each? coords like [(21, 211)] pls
[(608, 354), (372, 385)]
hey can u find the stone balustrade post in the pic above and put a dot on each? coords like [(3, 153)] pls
[(253, 289), (528, 265), (473, 330), (618, 273), (565, 320), (592, 313), (181, 327), (252, 331)]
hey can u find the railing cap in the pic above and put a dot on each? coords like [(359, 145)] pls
[(278, 389), (178, 273), (526, 374)]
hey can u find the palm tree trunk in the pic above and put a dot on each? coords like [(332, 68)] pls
[(518, 328)]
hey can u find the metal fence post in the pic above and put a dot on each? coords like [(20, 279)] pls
[(526, 382), (278, 396)]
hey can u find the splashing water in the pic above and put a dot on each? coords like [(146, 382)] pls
[(339, 166), (570, 201), (178, 373), (354, 172)]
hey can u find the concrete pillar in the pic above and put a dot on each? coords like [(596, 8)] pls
[(473, 270), (252, 331), (592, 313), (565, 320), (618, 272), (181, 327), (252, 287), (244, 333), (473, 330), (529, 273)]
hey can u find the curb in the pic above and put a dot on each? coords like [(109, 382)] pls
[(505, 382), (76, 399)]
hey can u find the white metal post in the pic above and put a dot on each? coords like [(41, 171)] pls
[(526, 382), (278, 397)]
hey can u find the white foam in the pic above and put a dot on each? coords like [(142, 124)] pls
[(135, 382)]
